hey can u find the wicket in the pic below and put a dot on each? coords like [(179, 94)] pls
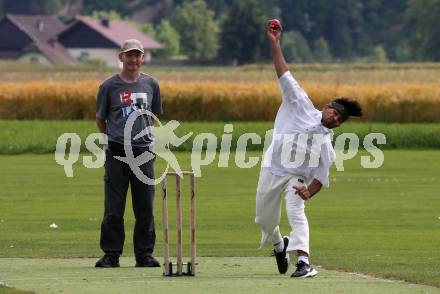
[(191, 265)]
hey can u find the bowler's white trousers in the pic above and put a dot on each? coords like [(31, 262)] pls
[(269, 192)]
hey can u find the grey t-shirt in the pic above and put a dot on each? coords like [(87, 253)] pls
[(118, 99)]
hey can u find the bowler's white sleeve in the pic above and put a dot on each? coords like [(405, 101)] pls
[(325, 162), (292, 92), (321, 175)]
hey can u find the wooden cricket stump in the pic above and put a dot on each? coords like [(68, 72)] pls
[(168, 265)]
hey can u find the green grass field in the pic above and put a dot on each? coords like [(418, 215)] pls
[(382, 222), (215, 275), (373, 231), (39, 137)]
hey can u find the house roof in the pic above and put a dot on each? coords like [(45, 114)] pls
[(38, 27), (42, 29), (117, 31)]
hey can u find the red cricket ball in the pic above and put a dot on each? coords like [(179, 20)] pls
[(274, 24)]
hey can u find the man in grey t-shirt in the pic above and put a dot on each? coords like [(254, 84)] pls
[(119, 97)]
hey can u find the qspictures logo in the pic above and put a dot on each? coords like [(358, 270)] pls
[(289, 151)]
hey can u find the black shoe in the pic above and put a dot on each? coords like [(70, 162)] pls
[(303, 270), (108, 261), (147, 261), (282, 258)]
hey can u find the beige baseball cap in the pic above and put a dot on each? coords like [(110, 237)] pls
[(132, 44)]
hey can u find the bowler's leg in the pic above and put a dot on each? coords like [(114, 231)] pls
[(268, 207), (299, 236)]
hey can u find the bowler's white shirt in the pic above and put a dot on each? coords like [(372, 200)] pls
[(296, 116)]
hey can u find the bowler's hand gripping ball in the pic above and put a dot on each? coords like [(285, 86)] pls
[(275, 24)]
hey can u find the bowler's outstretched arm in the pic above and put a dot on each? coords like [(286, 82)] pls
[(274, 36)]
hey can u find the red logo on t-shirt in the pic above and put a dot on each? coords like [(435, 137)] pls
[(125, 97)]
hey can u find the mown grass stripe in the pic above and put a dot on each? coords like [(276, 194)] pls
[(40, 136)]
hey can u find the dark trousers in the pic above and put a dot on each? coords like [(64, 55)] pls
[(118, 176)]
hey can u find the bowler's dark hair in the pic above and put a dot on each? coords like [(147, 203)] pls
[(352, 106)]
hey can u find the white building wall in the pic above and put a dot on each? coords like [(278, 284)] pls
[(34, 57), (110, 56)]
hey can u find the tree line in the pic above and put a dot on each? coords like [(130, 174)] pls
[(314, 31)]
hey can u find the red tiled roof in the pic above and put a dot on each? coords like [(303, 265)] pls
[(42, 29), (118, 31), (53, 51), (38, 27)]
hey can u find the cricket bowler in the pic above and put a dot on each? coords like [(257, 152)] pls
[(300, 129)]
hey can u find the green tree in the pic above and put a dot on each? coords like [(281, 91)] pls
[(31, 6), (127, 8), (425, 32), (243, 32), (104, 14), (321, 51), (98, 5), (219, 6), (295, 15), (344, 28), (148, 29), (338, 21), (403, 51), (198, 30), (379, 54), (295, 47), (167, 35), (384, 25)]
